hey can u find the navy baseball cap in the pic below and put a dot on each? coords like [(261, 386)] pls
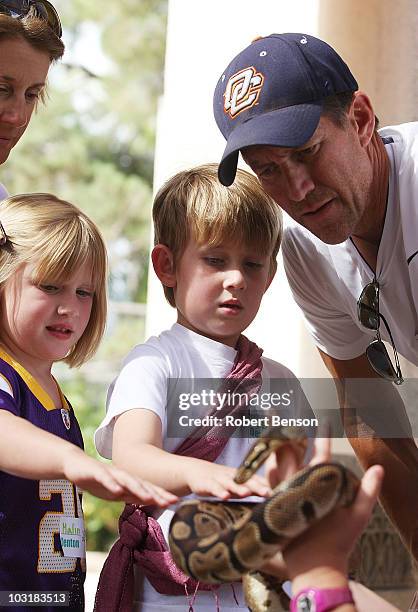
[(272, 94)]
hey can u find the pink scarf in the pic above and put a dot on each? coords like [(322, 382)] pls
[(141, 539)]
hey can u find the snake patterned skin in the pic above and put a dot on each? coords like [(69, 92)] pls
[(222, 541)]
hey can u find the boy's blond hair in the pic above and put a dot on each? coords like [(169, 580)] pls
[(57, 238), (193, 203)]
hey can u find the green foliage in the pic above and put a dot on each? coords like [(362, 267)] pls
[(101, 516), (93, 144)]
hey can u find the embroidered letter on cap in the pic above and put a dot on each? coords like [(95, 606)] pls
[(242, 91)]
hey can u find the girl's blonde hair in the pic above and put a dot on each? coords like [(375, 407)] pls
[(57, 238), (193, 203)]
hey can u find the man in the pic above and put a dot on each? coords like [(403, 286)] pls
[(291, 106)]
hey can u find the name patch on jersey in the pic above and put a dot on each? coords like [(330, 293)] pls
[(72, 536)]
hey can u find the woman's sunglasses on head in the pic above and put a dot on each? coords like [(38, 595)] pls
[(37, 8), (370, 317)]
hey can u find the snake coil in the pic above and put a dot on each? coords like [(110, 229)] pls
[(219, 542)]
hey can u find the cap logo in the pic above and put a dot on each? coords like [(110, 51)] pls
[(242, 91)]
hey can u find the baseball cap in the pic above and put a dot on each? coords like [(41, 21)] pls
[(272, 94)]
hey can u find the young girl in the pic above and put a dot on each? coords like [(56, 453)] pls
[(52, 308)]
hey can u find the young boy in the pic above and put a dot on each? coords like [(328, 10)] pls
[(215, 255)]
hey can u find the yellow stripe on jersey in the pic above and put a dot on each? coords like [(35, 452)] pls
[(41, 395)]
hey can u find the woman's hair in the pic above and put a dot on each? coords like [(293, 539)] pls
[(193, 203), (35, 31), (57, 238)]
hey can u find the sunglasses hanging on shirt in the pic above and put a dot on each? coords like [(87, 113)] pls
[(370, 317)]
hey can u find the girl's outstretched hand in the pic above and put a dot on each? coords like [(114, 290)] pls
[(109, 482)]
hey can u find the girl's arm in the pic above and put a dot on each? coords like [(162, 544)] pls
[(29, 452), (137, 448)]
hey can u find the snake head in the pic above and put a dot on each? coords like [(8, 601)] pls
[(269, 442)]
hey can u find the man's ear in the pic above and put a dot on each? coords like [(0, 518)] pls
[(364, 117), (163, 263)]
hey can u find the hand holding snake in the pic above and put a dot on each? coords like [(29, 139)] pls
[(217, 542)]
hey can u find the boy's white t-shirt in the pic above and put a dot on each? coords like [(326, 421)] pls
[(177, 353)]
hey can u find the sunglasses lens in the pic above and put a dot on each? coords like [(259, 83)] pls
[(8, 8), (39, 8), (380, 361), (51, 15), (368, 318), (368, 306)]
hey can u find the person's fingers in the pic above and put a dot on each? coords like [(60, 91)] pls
[(163, 494), (257, 480), (258, 486), (322, 451), (287, 459), (118, 484), (105, 478), (370, 486), (238, 490), (276, 566), (217, 490), (144, 491)]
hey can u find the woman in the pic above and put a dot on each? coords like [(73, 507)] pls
[(30, 41)]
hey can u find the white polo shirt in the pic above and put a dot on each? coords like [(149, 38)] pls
[(327, 280)]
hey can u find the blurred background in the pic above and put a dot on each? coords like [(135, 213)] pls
[(93, 144), (130, 104)]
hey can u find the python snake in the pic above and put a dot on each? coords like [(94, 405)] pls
[(223, 541)]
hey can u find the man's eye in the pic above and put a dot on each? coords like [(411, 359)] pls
[(267, 172), (255, 265), (309, 151), (214, 261)]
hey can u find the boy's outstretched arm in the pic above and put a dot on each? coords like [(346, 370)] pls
[(137, 447), (30, 452)]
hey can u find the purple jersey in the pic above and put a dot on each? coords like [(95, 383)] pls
[(31, 555)]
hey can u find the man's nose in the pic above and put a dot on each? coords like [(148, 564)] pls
[(298, 182)]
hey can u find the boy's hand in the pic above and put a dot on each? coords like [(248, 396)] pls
[(108, 482), (205, 478)]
